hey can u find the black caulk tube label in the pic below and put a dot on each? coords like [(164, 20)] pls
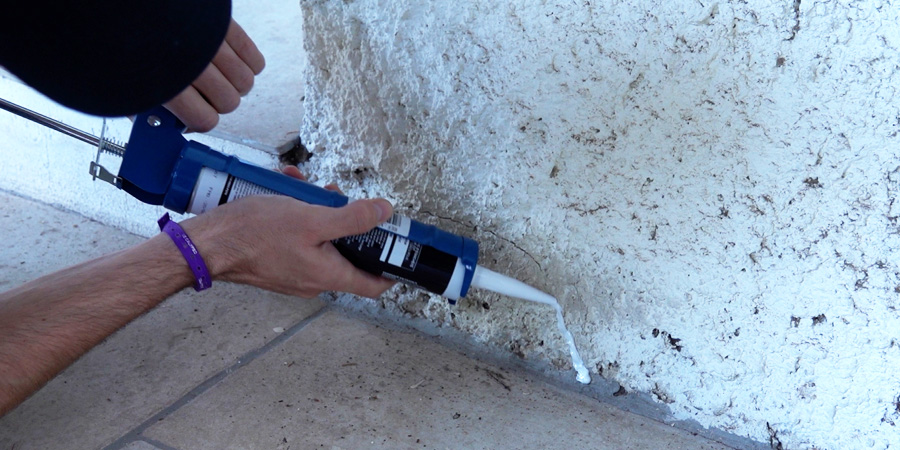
[(383, 253), (226, 191)]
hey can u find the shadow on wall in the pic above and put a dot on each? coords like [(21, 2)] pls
[(703, 187)]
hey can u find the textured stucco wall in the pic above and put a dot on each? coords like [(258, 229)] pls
[(709, 188)]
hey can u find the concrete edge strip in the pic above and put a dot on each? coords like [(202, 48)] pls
[(136, 433), (230, 137), (601, 389)]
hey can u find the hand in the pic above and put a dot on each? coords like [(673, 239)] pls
[(284, 245), (218, 90)]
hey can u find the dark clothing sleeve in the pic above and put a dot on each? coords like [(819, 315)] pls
[(111, 57)]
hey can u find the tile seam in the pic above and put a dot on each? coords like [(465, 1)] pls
[(136, 433)]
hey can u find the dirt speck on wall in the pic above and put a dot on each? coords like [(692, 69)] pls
[(709, 189)]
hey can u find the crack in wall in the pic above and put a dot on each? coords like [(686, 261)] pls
[(474, 228), (796, 28)]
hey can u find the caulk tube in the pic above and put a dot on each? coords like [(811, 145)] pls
[(401, 249)]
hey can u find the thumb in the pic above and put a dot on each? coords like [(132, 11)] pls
[(355, 218)]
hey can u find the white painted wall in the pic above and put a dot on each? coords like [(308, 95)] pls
[(709, 188)]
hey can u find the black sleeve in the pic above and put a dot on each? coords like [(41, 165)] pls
[(111, 57)]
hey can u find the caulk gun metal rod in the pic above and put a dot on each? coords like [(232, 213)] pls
[(50, 123)]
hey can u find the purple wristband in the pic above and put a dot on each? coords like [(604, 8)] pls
[(189, 250)]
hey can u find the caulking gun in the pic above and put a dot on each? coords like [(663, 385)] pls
[(161, 167)]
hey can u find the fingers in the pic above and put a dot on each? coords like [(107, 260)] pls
[(245, 48), (234, 69), (353, 280), (191, 108), (238, 60), (293, 172), (356, 218), (218, 90), (365, 284)]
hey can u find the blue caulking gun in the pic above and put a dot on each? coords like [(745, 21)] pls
[(161, 167)]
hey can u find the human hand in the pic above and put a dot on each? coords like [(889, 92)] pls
[(284, 245), (218, 90)]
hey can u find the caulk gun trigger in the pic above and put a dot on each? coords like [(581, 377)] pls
[(98, 171)]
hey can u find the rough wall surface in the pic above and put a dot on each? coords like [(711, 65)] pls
[(709, 188)]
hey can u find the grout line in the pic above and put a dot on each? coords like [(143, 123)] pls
[(226, 136), (247, 358)]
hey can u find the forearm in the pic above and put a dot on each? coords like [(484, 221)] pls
[(275, 243), (48, 323)]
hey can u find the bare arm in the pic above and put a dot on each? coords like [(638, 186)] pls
[(276, 243), (48, 323)]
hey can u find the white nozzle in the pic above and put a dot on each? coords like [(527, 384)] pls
[(502, 284)]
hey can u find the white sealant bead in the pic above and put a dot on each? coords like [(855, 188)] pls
[(493, 281), (583, 376)]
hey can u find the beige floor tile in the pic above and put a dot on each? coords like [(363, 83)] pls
[(343, 383)]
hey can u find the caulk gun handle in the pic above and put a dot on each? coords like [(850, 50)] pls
[(161, 167), (152, 152)]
